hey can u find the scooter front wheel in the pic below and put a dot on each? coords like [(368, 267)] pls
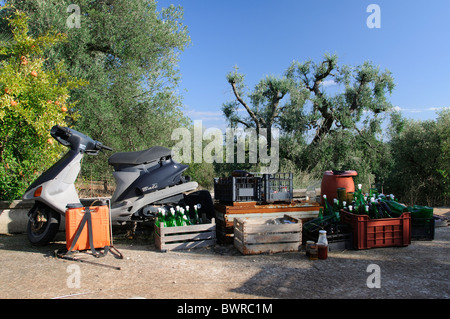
[(43, 224)]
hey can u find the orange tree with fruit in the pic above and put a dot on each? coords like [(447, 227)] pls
[(33, 98)]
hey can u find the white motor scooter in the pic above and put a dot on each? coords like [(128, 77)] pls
[(145, 180)]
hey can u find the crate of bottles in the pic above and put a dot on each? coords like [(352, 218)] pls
[(260, 235), (185, 237), (255, 187), (383, 232)]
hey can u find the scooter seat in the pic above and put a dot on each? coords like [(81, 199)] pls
[(140, 157)]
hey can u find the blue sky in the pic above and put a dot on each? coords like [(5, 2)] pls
[(263, 37)]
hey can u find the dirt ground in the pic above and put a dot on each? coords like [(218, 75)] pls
[(420, 270)]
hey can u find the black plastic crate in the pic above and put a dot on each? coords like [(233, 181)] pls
[(278, 187), (238, 189), (257, 187), (422, 228)]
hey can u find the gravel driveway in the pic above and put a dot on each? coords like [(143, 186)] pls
[(420, 270)]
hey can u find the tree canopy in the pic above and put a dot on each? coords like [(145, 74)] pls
[(330, 116), (421, 160), (128, 51)]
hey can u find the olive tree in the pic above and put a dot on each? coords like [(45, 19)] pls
[(329, 116)]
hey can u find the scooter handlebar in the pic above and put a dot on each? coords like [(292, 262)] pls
[(61, 134), (100, 146)]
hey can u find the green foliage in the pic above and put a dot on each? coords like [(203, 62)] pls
[(444, 160), (32, 100), (422, 161), (128, 51)]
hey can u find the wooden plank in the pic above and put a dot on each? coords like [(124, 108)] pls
[(265, 248), (189, 245), (237, 207), (272, 248), (246, 205), (239, 245), (242, 204), (271, 228), (272, 238), (185, 229), (158, 241), (239, 233), (239, 224), (190, 237)]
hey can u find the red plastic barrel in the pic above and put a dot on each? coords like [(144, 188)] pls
[(332, 180)]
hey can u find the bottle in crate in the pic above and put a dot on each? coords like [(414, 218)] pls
[(178, 217), (168, 218), (196, 218), (159, 218), (184, 217), (188, 214), (185, 221), (172, 217)]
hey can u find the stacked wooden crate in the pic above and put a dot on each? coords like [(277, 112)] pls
[(261, 235), (226, 213)]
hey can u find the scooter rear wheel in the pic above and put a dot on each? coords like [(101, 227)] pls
[(43, 224)]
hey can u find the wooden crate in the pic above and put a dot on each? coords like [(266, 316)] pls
[(254, 236), (226, 213), (185, 237)]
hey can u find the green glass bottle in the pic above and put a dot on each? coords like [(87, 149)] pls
[(360, 201), (196, 218), (179, 217), (187, 217), (166, 215), (185, 221), (188, 214), (372, 211), (183, 218), (327, 209), (159, 218), (320, 215), (335, 204)]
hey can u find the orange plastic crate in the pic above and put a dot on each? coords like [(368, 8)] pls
[(100, 227), (373, 233)]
